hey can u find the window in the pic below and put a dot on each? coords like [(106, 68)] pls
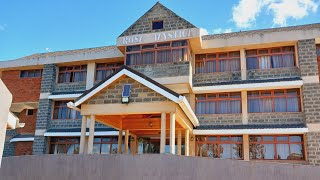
[(274, 101), (270, 58), (72, 74), (219, 147), (29, 112), (222, 103), (105, 145), (104, 70), (157, 25), (217, 62), (64, 145), (61, 111), (71, 145), (30, 73), (276, 147), (167, 52)]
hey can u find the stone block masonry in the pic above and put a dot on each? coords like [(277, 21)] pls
[(220, 119), (276, 118), (113, 94), (307, 57), (311, 102), (274, 73), (216, 77), (313, 147)]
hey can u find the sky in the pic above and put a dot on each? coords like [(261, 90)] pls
[(39, 26)]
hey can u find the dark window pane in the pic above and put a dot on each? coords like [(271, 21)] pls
[(157, 25)]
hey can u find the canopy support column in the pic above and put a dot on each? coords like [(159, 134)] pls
[(91, 134), (163, 133), (120, 142), (172, 132), (83, 134)]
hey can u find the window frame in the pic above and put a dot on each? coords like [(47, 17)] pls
[(219, 142), (273, 97), (275, 142), (72, 71), (64, 105), (68, 141), (217, 99), (258, 55), (155, 50), (106, 68), (29, 71), (111, 142), (217, 59), (29, 110), (157, 21)]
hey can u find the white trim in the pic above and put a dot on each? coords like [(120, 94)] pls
[(63, 96), (133, 76), (181, 100), (251, 131), (22, 139), (68, 134), (246, 87)]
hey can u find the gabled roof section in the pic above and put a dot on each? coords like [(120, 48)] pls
[(146, 81), (125, 70), (171, 21)]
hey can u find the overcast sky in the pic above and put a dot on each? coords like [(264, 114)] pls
[(37, 26)]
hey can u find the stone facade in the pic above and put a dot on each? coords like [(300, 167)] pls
[(311, 102), (219, 119), (113, 93), (48, 78), (164, 70), (276, 118), (171, 21), (307, 57), (313, 147), (8, 149), (69, 87), (216, 77), (273, 73)]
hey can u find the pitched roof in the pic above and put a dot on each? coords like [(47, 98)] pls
[(69, 52), (134, 72), (261, 31), (137, 76), (157, 12)]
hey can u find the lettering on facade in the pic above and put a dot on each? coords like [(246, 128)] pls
[(157, 37)]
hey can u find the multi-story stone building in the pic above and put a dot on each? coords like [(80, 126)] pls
[(166, 88)]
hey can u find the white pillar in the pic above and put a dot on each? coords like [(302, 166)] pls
[(172, 132), (186, 142), (179, 142), (83, 134), (120, 142), (244, 106), (243, 64), (91, 134), (126, 142), (91, 69), (163, 133)]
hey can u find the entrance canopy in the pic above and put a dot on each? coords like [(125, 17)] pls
[(144, 102)]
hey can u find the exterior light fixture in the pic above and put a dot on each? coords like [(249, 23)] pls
[(126, 91), (150, 124)]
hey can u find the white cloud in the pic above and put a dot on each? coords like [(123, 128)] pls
[(48, 49), (203, 31), (285, 9), (245, 13), (220, 30)]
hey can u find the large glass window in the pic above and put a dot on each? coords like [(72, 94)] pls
[(70, 145), (220, 147), (175, 51), (217, 62), (279, 57), (64, 145), (222, 103), (61, 111), (72, 74), (282, 100), (104, 70), (277, 147), (30, 73), (105, 145)]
